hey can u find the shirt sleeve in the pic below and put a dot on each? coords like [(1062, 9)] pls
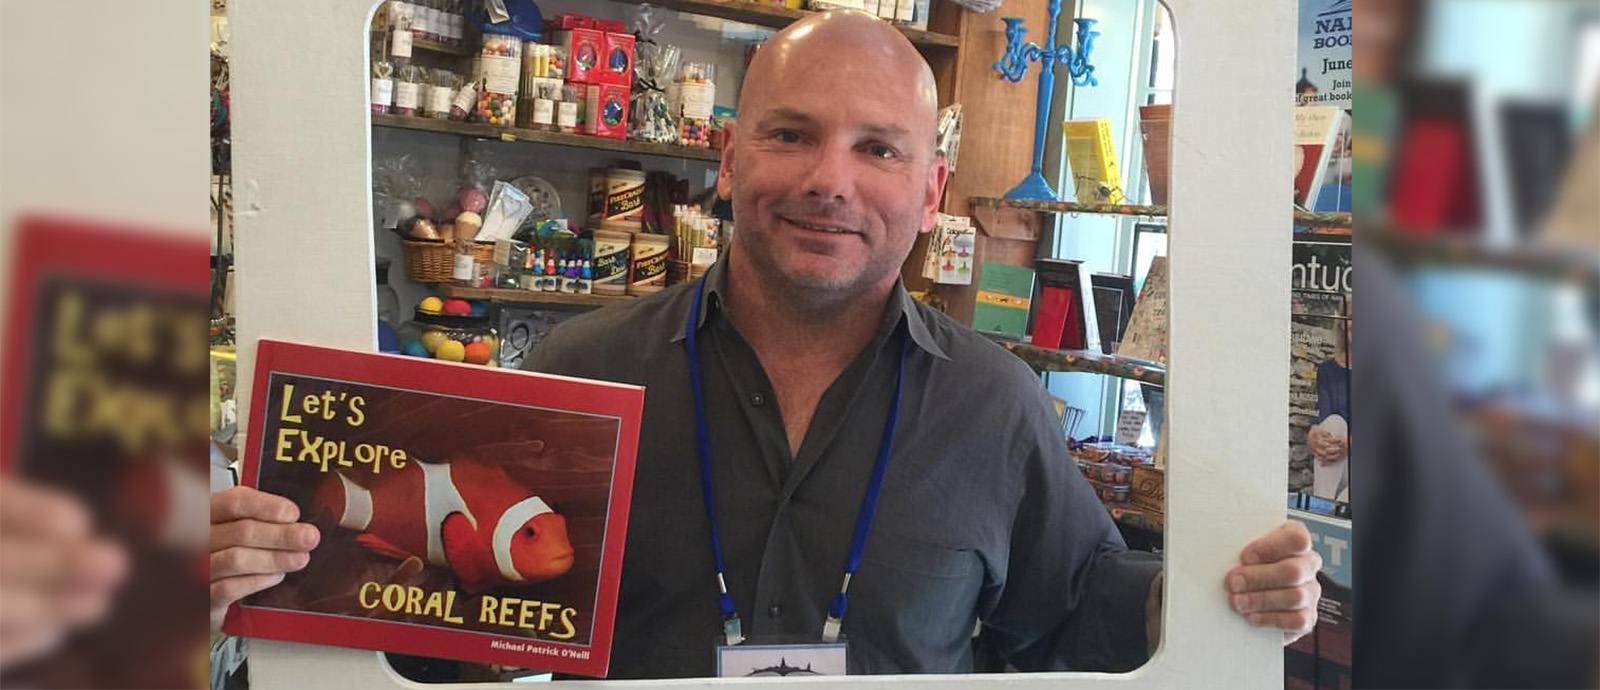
[(1073, 596)]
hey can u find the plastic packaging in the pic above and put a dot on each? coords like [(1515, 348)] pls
[(654, 66)]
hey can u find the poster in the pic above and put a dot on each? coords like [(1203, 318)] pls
[(1324, 73), (466, 512), (1319, 379)]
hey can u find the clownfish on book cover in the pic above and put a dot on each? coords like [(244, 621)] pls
[(465, 512)]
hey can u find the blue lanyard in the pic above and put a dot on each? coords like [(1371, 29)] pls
[(869, 504)]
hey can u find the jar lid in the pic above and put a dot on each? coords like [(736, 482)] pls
[(455, 321)]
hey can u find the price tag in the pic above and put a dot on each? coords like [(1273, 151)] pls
[(1130, 424)]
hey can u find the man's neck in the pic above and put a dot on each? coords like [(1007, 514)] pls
[(783, 329)]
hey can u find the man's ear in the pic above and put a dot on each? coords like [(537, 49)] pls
[(938, 175), (725, 166)]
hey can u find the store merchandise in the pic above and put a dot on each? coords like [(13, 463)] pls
[(461, 333), (611, 260), (402, 423), (1093, 159), (655, 65), (1146, 335), (1067, 316), (1155, 127), (408, 90), (1005, 293), (648, 268), (607, 111), (1316, 138), (583, 45), (951, 249), (618, 65), (382, 87), (1113, 304), (498, 67), (693, 96), (440, 92), (622, 201), (464, 102)]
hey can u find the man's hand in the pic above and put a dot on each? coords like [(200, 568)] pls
[(1275, 583), (1325, 446), (55, 575), (255, 540)]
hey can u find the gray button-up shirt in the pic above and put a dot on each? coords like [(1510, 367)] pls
[(983, 516)]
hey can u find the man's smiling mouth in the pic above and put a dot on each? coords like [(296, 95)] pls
[(820, 227)]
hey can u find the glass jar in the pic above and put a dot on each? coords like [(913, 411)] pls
[(408, 90), (382, 87), (440, 93), (499, 70)]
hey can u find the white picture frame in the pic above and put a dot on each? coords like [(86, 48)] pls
[(302, 171)]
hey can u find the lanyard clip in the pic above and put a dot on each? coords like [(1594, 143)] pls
[(830, 629), (732, 630)]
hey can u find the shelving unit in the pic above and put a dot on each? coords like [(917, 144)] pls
[(1301, 218), (1571, 266), (776, 17), (514, 134), (511, 296), (440, 48), (1045, 359)]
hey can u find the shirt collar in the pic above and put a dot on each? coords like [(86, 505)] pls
[(905, 307)]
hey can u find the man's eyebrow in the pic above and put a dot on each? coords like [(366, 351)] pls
[(797, 116)]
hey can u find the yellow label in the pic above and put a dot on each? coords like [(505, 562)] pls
[(1001, 299)]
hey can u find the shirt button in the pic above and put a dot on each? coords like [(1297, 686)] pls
[(775, 610), (758, 399)]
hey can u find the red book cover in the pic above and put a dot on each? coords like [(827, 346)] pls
[(104, 366), (1055, 307), (466, 512)]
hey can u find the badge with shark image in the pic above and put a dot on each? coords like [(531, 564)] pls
[(777, 660)]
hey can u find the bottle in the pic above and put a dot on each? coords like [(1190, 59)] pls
[(440, 93), (400, 37), (408, 90), (382, 87)]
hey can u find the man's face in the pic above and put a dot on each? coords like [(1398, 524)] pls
[(832, 171)]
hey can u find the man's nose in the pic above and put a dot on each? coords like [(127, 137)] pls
[(831, 178)]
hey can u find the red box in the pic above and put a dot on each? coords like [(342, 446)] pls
[(585, 54), (611, 26), (616, 63), (607, 114), (567, 21)]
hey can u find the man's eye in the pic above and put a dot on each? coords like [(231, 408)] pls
[(881, 151), (787, 136)]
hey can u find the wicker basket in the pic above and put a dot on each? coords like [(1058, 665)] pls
[(433, 261)]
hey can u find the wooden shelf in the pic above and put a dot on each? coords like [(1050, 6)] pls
[(1301, 218), (512, 134), (1573, 266), (777, 17), (442, 49), (529, 297), (1045, 359)]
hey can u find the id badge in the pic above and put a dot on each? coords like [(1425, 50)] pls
[(750, 660)]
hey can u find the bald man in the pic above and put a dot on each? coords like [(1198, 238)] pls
[(817, 379)]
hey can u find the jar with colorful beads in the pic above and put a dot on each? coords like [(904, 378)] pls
[(695, 97), (499, 69)]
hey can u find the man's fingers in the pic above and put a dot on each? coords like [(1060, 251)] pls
[(26, 508), (1283, 574), (1286, 599), (242, 560), (26, 560), (295, 536), (245, 503), (23, 608), (1296, 623), (21, 645), (228, 590), (1289, 539)]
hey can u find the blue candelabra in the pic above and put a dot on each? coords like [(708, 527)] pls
[(1015, 64)]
